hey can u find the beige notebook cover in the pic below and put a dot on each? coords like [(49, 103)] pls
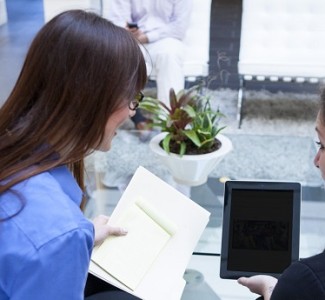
[(153, 267)]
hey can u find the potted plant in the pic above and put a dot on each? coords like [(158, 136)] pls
[(190, 143)]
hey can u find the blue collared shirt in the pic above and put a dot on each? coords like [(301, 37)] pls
[(45, 250)]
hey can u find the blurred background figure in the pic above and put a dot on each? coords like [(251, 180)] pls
[(160, 26)]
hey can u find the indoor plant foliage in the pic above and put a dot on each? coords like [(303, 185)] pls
[(190, 122)]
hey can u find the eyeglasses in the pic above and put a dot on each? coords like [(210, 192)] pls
[(134, 104)]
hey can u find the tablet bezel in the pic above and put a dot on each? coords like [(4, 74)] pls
[(257, 185)]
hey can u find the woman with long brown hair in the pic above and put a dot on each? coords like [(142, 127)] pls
[(80, 81)]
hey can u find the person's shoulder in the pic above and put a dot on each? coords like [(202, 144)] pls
[(48, 211), (304, 279), (311, 265), (316, 263)]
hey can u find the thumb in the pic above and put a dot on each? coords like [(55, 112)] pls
[(117, 230), (242, 280)]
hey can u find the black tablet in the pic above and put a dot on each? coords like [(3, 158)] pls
[(261, 227)]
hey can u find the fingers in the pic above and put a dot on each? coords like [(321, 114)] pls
[(243, 280), (101, 222), (252, 284), (133, 30), (259, 284), (103, 230), (117, 231)]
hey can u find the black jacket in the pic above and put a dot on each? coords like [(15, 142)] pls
[(303, 280)]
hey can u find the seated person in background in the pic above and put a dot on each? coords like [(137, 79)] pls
[(160, 25), (304, 279), (78, 84)]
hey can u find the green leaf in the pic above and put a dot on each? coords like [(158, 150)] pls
[(204, 132), (190, 111), (207, 141), (214, 131), (207, 122), (221, 128), (192, 135), (182, 149), (166, 142)]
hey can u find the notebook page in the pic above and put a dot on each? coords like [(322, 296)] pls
[(128, 258)]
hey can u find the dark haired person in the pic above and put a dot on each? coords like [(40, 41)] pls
[(304, 279), (80, 81)]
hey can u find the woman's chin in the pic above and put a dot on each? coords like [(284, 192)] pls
[(105, 149)]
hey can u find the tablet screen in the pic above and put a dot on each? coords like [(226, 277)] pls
[(260, 233)]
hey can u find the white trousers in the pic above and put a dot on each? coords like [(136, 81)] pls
[(164, 59)]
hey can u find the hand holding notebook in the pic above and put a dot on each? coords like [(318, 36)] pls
[(164, 227)]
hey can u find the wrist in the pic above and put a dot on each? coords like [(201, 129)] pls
[(268, 292)]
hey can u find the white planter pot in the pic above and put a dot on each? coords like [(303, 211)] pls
[(191, 170)]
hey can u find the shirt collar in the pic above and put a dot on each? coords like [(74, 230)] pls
[(68, 183)]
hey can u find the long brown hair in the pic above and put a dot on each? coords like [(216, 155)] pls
[(79, 69)]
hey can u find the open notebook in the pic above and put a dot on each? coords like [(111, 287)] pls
[(128, 258), (164, 227)]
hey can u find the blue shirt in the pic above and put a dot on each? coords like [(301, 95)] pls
[(45, 250)]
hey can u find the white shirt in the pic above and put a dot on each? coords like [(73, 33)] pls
[(158, 19)]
